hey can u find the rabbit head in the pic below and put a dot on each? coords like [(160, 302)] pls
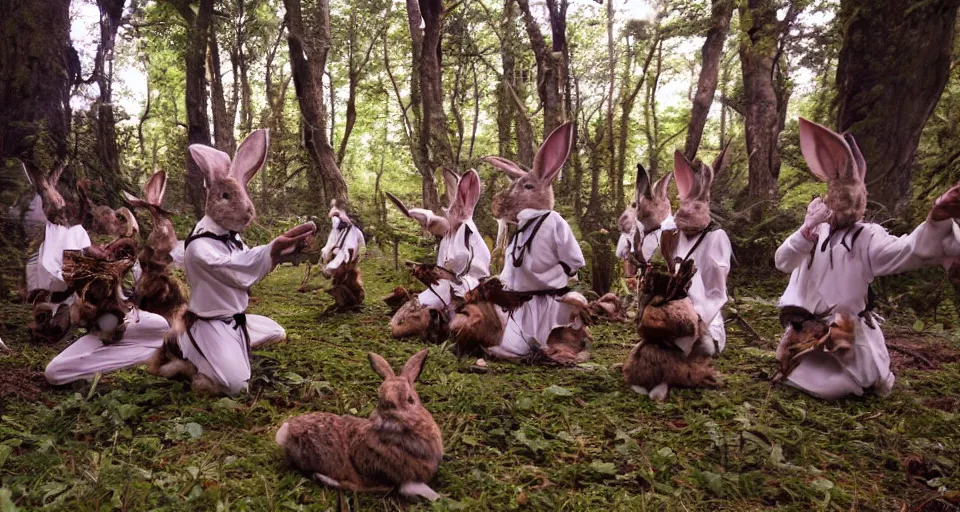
[(336, 212), (54, 206), (693, 182), (533, 189), (227, 201), (837, 160), (103, 219), (651, 204), (398, 399), (464, 192), (162, 238)]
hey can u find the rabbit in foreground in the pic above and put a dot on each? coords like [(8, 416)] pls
[(211, 346), (832, 259), (463, 255), (399, 446), (158, 290)]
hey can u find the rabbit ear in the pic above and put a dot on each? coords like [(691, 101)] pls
[(826, 153), (214, 163), (722, 160), (380, 366), (450, 180), (133, 200), (56, 174), (861, 163), (468, 193), (662, 186), (553, 153), (513, 170), (688, 183), (412, 368), (251, 155), (642, 186), (155, 188), (399, 204)]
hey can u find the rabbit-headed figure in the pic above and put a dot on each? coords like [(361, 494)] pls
[(541, 258), (158, 290), (701, 241), (46, 288), (340, 256), (463, 258), (101, 218), (832, 345), (643, 221), (212, 344), (398, 447)]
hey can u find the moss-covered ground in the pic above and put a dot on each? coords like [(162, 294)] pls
[(516, 437)]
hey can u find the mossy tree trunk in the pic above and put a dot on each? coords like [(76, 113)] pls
[(893, 66), (38, 67), (712, 52)]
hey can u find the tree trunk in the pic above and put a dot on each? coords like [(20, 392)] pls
[(308, 60), (357, 68), (758, 52), (111, 12), (223, 136), (434, 129), (198, 125), (549, 65), (37, 70), (893, 66), (711, 54)]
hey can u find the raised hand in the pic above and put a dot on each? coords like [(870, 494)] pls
[(817, 213), (946, 206), (290, 239)]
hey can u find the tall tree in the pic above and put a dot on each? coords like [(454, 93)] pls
[(223, 116), (712, 52), (111, 12), (433, 149), (552, 62), (357, 59), (37, 70), (198, 124), (893, 66), (309, 42), (760, 49)]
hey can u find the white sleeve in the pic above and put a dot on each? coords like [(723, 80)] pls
[(793, 252), (928, 243), (331, 241), (237, 269), (568, 249), (715, 266), (623, 245)]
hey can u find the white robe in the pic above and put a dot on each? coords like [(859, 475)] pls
[(88, 355), (548, 263), (708, 289), (343, 245), (820, 286), (650, 242), (46, 272), (177, 255), (457, 250), (220, 277)]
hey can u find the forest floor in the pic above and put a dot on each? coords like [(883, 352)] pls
[(516, 437)]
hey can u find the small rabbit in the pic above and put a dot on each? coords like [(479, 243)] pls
[(543, 254), (341, 255), (158, 290), (399, 446), (462, 252), (643, 220), (212, 345), (54, 206)]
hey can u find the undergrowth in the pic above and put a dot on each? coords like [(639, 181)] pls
[(516, 437)]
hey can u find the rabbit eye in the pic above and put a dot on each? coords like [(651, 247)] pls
[(409, 399), (633, 204), (226, 195), (528, 186)]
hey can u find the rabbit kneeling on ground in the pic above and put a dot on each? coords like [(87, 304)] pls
[(399, 446)]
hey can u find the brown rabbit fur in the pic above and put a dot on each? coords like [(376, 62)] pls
[(651, 203), (532, 189), (54, 206), (412, 319), (476, 325), (159, 291), (650, 364), (399, 444), (693, 182), (347, 287), (836, 159)]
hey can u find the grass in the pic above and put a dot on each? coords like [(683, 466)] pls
[(516, 438)]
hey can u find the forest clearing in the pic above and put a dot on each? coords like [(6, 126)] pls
[(479, 255)]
